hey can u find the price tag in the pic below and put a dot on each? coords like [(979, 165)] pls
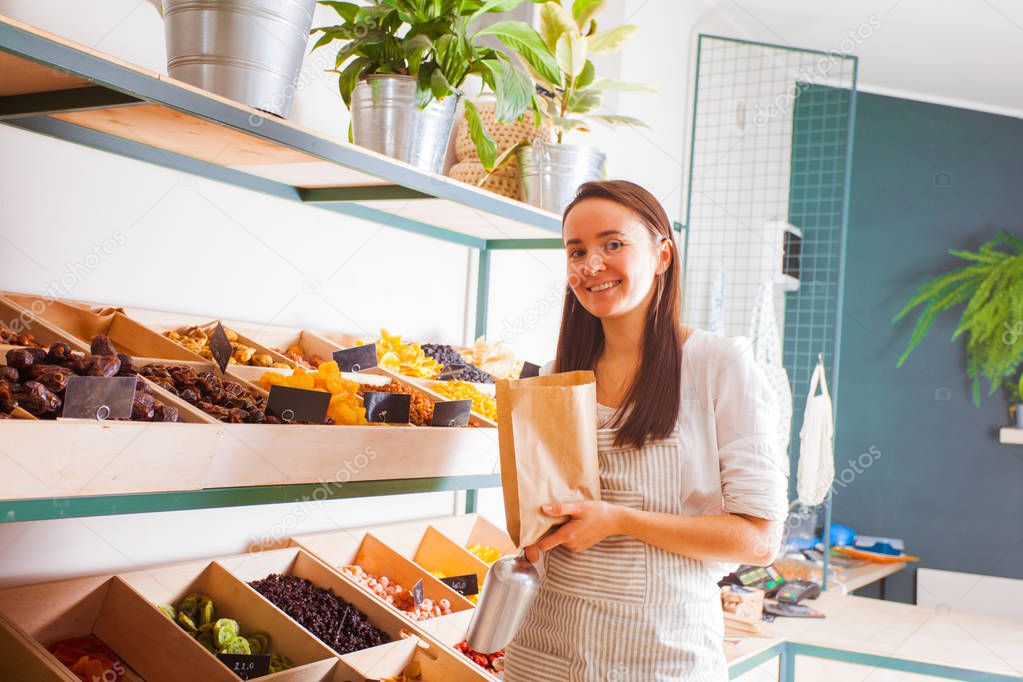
[(417, 593), (451, 413), (220, 347), (392, 408), (529, 370), (465, 585), (247, 666), (356, 359), (298, 404), (99, 397)]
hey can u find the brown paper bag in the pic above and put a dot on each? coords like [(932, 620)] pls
[(547, 431)]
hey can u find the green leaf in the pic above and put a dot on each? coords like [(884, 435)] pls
[(349, 77), (615, 120), (493, 6), (555, 21), (486, 149), (583, 11), (347, 10), (583, 102), (512, 87), (585, 78), (503, 159), (571, 54), (439, 85), (523, 39), (610, 84), (610, 41)]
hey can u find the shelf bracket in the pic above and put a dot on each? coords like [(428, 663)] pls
[(63, 101)]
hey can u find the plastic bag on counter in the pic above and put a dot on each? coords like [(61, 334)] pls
[(547, 432)]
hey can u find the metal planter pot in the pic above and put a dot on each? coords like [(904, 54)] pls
[(1018, 409), (551, 173), (246, 50), (385, 119)]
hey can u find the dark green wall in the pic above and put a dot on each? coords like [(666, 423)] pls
[(925, 178)]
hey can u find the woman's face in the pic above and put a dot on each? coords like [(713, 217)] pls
[(612, 257)]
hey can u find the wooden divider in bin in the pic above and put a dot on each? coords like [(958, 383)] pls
[(435, 664), (234, 599), (438, 552), (79, 324), (22, 658), (153, 647), (22, 320)]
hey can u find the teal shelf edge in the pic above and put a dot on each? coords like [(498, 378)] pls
[(41, 509), (131, 86)]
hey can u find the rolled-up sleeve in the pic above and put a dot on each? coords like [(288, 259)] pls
[(754, 470)]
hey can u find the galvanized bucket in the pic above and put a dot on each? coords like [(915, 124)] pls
[(551, 173), (385, 119), (246, 50)]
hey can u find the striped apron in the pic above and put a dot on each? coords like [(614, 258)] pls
[(623, 610)]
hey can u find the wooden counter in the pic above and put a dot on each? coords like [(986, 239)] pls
[(883, 634)]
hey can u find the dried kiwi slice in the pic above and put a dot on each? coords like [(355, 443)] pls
[(238, 645), (225, 630), (279, 662), (259, 642), (187, 623), (190, 605), (205, 637), (206, 611), (168, 610)]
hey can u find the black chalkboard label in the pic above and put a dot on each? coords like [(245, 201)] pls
[(99, 397), (392, 408), (451, 413), (356, 359), (247, 666), (417, 593), (529, 370), (465, 585), (298, 404), (220, 347)]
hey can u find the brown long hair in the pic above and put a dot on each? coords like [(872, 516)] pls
[(655, 391)]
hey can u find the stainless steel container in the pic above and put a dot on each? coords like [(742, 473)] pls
[(385, 119), (551, 173), (246, 50), (508, 592)]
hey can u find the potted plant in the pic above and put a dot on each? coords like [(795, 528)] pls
[(403, 63), (991, 286), (569, 100), (246, 50)]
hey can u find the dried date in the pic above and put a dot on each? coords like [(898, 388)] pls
[(9, 374), (102, 345), (104, 366)]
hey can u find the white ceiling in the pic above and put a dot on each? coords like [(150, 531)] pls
[(961, 52)]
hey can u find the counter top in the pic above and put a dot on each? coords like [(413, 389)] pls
[(939, 636)]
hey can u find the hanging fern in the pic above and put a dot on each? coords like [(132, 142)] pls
[(992, 287)]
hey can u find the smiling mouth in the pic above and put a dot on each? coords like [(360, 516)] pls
[(604, 287)]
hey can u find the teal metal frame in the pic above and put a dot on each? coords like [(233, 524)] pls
[(786, 653)]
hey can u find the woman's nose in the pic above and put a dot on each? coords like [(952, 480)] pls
[(592, 265)]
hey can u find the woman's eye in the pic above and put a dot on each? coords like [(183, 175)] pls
[(576, 253), (614, 245)]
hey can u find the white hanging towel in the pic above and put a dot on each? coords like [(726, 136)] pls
[(816, 454), (763, 332)]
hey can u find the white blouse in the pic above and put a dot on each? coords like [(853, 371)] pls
[(727, 425)]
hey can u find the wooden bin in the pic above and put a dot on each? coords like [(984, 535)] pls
[(280, 339), (376, 662), (278, 454), (23, 320), (77, 457), (234, 599), (343, 548), (154, 648), (79, 325)]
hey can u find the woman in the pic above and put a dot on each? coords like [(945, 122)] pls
[(691, 483)]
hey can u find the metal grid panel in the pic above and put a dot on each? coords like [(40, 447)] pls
[(770, 146)]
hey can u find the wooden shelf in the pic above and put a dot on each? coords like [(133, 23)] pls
[(1011, 436), (58, 88)]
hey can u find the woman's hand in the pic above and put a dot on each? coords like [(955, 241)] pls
[(591, 522)]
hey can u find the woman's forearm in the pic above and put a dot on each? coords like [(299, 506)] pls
[(724, 537)]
